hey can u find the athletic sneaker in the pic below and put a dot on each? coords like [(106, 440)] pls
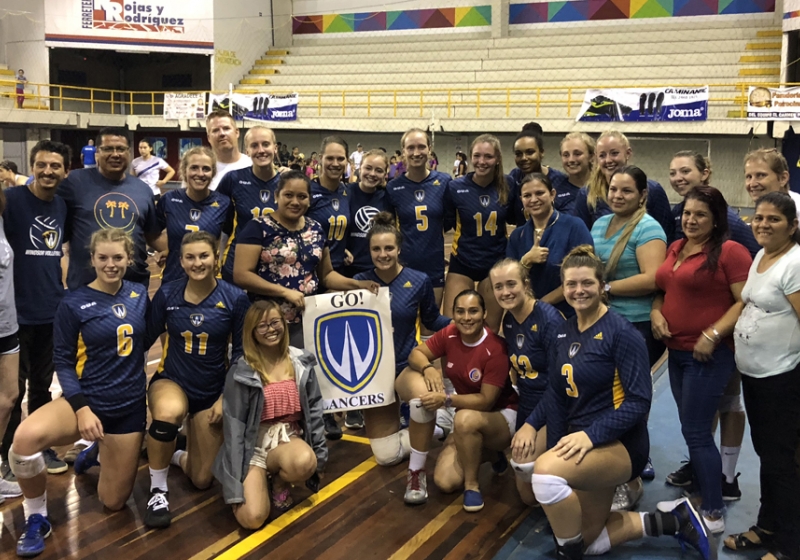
[(332, 428), (87, 459), (416, 487), (683, 476), (712, 525), (500, 466), (730, 490), (157, 515), (625, 498), (353, 420), (31, 542), (54, 464), (473, 501), (648, 473), (5, 472), (691, 530), (69, 456), (10, 489)]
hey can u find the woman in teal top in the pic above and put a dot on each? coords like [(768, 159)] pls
[(632, 245)]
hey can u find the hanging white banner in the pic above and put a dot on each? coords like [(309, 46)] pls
[(350, 333), (184, 106), (773, 104)]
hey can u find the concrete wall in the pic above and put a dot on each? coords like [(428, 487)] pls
[(242, 34), (22, 38)]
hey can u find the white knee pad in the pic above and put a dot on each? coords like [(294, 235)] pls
[(390, 450), (731, 403), (550, 489), (600, 546), (25, 467), (418, 412), (524, 471)]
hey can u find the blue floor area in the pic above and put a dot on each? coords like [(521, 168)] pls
[(533, 539)]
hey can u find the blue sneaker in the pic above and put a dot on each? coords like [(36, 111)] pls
[(473, 501), (649, 473), (31, 542), (692, 531), (87, 459)]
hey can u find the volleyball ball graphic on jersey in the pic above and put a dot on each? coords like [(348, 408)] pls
[(45, 233), (349, 346), (364, 217)]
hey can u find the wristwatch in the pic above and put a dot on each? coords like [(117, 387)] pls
[(607, 288), (448, 400)]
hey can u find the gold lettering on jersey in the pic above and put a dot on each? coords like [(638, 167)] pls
[(119, 310), (573, 349)]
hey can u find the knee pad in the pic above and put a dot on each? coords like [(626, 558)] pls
[(550, 489), (730, 403), (163, 431), (524, 471), (25, 466), (390, 450), (419, 414), (600, 546)]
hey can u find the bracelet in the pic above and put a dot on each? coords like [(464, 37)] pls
[(717, 336), (429, 365), (711, 340)]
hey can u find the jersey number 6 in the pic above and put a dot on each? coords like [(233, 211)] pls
[(124, 340)]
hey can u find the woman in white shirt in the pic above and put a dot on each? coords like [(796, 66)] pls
[(767, 338), (148, 168)]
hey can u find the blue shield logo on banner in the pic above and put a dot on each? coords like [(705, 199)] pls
[(349, 346)]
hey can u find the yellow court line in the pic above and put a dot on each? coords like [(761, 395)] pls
[(355, 439), (433, 526), (260, 537)]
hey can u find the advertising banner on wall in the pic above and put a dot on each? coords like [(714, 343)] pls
[(770, 104), (256, 107), (645, 104), (350, 333), (141, 25), (184, 106)]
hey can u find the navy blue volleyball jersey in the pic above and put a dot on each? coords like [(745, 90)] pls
[(363, 207), (179, 214), (530, 346), (600, 379), (413, 304), (424, 213), (480, 237), (195, 354), (331, 209), (99, 347), (250, 198)]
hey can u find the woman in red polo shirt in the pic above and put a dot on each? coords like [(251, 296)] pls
[(701, 280), (485, 402)]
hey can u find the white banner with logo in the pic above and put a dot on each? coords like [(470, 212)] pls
[(645, 104), (165, 25), (184, 106), (350, 333), (769, 104), (256, 107)]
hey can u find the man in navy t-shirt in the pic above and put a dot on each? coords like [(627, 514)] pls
[(34, 219), (106, 197), (87, 155)]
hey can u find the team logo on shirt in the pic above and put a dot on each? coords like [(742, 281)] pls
[(484, 200), (119, 310), (535, 328), (364, 217), (520, 340), (436, 183), (264, 196), (475, 375), (573, 349), (419, 195), (116, 210), (349, 347), (196, 319), (335, 204), (45, 233), (194, 214)]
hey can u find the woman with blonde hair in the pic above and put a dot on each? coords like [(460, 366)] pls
[(272, 414), (765, 171), (577, 158), (614, 151)]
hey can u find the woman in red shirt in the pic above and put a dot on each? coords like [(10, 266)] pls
[(701, 280), (485, 402)]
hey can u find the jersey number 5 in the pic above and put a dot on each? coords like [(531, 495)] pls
[(124, 340), (491, 224), (422, 219), (572, 389)]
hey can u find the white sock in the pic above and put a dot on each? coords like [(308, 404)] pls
[(562, 542), (416, 462), (176, 458), (730, 456), (438, 433), (85, 442), (35, 505), (158, 479)]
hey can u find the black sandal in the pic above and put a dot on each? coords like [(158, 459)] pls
[(742, 543)]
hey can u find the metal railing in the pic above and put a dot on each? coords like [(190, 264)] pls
[(468, 101)]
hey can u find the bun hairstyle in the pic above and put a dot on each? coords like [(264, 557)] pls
[(584, 256), (701, 162), (384, 222), (532, 130)]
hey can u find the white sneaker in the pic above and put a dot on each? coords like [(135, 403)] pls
[(715, 526), (9, 489), (625, 498)]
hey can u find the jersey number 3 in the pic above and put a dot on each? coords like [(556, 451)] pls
[(572, 389)]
